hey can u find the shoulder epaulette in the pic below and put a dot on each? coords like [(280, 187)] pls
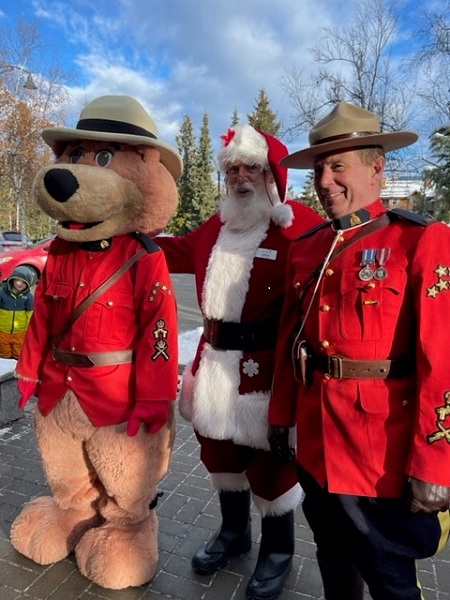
[(409, 215), (149, 244), (313, 230)]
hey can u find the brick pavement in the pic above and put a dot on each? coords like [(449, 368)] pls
[(188, 513)]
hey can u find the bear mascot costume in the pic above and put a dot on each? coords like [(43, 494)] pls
[(101, 350)]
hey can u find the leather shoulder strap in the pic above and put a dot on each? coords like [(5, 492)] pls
[(101, 289)]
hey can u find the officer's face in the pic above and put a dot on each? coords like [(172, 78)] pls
[(345, 184)]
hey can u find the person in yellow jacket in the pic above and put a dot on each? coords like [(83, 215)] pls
[(16, 308)]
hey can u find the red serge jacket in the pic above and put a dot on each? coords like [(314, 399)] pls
[(137, 312), (366, 436)]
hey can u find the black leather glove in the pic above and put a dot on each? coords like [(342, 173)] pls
[(427, 497), (279, 443)]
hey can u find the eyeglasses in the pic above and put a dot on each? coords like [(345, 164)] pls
[(245, 170)]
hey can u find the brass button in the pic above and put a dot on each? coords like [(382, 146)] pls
[(110, 303), (69, 378), (341, 238), (370, 285), (325, 344), (72, 348), (81, 284), (325, 308), (297, 284), (329, 272)]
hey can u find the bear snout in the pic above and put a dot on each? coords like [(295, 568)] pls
[(61, 184)]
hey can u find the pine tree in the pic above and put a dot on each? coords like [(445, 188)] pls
[(206, 196), (263, 117), (184, 219), (440, 174), (309, 195), (234, 118)]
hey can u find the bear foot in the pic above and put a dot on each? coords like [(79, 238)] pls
[(116, 556), (47, 534)]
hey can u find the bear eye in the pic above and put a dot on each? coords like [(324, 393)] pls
[(103, 158), (76, 156)]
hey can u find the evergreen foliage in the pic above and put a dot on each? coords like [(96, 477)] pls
[(263, 117)]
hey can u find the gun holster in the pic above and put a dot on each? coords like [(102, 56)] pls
[(303, 364)]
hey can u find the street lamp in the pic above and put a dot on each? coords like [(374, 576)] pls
[(29, 82)]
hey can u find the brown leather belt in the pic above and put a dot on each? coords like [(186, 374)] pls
[(94, 359), (225, 335), (337, 367)]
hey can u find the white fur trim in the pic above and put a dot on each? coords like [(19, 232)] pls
[(281, 505), (227, 275), (219, 411), (283, 215), (247, 146), (186, 393)]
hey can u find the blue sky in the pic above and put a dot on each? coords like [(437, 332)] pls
[(182, 57)]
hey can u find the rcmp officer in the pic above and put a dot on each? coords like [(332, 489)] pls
[(238, 257), (361, 368)]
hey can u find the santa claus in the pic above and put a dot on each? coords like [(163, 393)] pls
[(238, 257)]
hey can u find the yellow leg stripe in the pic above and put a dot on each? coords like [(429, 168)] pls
[(444, 520)]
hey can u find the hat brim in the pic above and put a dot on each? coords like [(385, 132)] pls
[(389, 141), (169, 157)]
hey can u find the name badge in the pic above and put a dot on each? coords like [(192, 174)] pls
[(266, 253)]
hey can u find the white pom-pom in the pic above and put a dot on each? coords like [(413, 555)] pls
[(283, 215)]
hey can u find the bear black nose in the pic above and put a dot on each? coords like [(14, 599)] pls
[(61, 184)]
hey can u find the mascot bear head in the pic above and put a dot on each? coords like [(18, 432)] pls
[(112, 174)]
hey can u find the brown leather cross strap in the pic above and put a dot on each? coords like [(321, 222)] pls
[(338, 367), (79, 310), (94, 359)]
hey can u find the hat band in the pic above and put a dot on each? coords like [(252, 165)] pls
[(109, 126), (346, 136)]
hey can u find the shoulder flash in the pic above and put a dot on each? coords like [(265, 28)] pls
[(401, 213), (149, 244), (313, 230)]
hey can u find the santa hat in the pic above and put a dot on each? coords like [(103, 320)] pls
[(248, 145)]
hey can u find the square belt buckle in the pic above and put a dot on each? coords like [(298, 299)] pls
[(334, 367)]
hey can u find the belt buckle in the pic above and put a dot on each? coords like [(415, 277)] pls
[(335, 366)]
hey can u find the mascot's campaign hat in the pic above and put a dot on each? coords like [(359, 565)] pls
[(347, 126), (250, 146), (117, 119)]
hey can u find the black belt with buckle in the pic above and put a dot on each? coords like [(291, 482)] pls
[(248, 337)]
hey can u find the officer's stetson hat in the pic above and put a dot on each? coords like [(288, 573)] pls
[(347, 126), (117, 119)]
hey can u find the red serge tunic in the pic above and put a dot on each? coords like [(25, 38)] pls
[(137, 312), (365, 437)]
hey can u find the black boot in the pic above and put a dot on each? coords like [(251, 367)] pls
[(274, 558), (232, 539), (341, 579)]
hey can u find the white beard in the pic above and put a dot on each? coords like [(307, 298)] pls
[(241, 213)]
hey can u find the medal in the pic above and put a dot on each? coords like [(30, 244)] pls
[(382, 256), (367, 260)]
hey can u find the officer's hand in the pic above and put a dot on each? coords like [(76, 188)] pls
[(26, 389), (152, 414), (427, 497), (279, 443)]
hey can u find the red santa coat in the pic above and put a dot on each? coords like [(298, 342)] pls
[(365, 437), (135, 313), (240, 277)]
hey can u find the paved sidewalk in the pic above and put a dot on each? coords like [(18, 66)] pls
[(188, 513)]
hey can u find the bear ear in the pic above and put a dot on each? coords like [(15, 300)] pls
[(160, 195)]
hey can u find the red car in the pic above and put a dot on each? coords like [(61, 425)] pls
[(33, 257)]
